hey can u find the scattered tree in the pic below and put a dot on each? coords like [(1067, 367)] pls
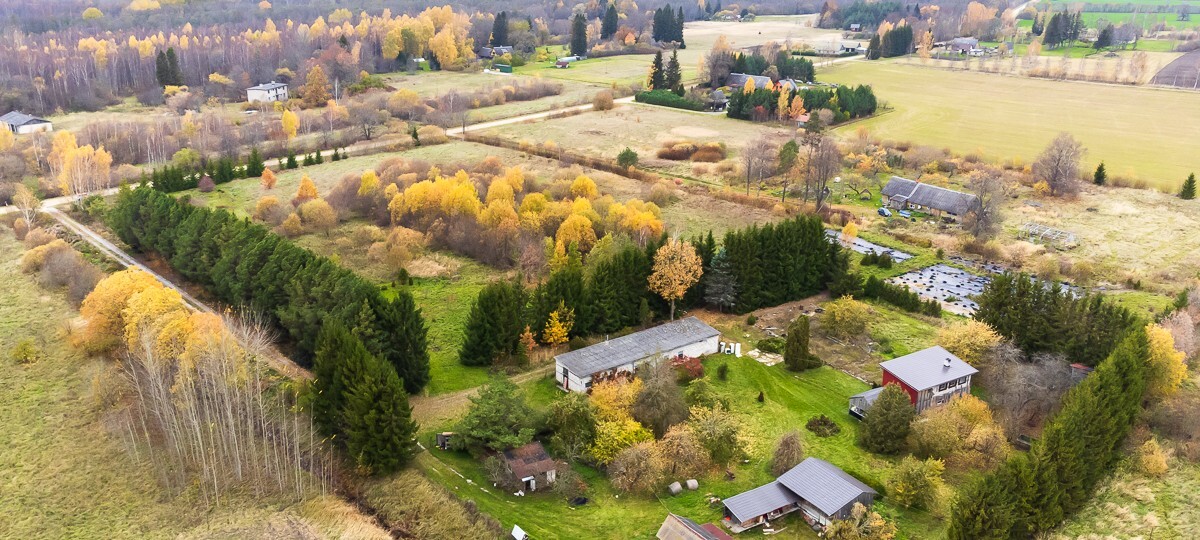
[(1188, 191), (970, 340), (1058, 165), (1100, 177), (916, 483), (659, 404), (718, 431), (572, 418), (637, 469), (627, 158), (886, 426), (498, 419), (845, 317), (677, 268), (788, 454), (796, 354), (1165, 366), (862, 525), (682, 453)]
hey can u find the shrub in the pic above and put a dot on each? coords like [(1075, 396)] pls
[(823, 426), (38, 237), (206, 184), (723, 372), (603, 101), (25, 352), (771, 345), (20, 228), (627, 158), (676, 151), (431, 135), (751, 320), (667, 98), (710, 153)]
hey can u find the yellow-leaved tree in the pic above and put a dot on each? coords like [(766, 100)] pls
[(290, 123), (368, 184), (315, 91), (558, 326), (103, 308), (849, 232), (583, 186), (306, 192), (146, 314), (6, 140), (1165, 367), (970, 340), (577, 230), (85, 169), (268, 179), (613, 399), (676, 268), (749, 87), (318, 215)]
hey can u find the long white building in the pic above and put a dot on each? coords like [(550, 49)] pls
[(576, 370)]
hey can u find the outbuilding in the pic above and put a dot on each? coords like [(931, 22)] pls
[(577, 370), (267, 92), (22, 124), (819, 489), (530, 465), (677, 527), (903, 193)]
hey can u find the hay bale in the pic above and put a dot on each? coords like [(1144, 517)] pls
[(675, 488), (692, 484)]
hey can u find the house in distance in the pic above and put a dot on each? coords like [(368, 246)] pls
[(902, 193), (577, 370), (23, 124), (268, 92), (819, 489), (930, 377)]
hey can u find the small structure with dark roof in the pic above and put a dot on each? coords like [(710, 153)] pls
[(904, 193), (21, 123), (860, 402), (677, 527), (819, 489), (267, 92), (962, 45), (930, 377), (577, 370), (530, 465)]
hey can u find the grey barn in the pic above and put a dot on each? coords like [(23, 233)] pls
[(820, 490), (939, 201), (576, 370)]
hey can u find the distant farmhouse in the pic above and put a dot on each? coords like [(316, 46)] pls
[(820, 490), (267, 93), (962, 45), (530, 465), (941, 202), (22, 124), (488, 53), (737, 81), (677, 527), (930, 377), (576, 371)]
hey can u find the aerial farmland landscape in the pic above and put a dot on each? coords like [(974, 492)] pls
[(855, 270)]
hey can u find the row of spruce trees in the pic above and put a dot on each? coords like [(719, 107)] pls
[(1032, 493), (172, 178), (1038, 317), (245, 264), (755, 267)]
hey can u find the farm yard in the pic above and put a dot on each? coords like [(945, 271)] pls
[(1005, 117)]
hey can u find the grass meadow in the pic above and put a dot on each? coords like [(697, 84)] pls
[(66, 476), (1138, 132)]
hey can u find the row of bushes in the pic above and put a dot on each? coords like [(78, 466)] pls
[(667, 98), (245, 264), (901, 297)]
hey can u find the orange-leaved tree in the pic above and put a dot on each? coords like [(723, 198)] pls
[(676, 268)]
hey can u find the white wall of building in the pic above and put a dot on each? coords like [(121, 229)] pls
[(34, 128), (697, 349)]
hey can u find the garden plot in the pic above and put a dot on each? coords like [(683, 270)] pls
[(862, 246), (950, 286)]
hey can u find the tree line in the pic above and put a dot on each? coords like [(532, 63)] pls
[(668, 25), (761, 104), (1034, 492), (1038, 317), (244, 264), (786, 66)]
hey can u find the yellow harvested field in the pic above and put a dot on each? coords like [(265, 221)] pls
[(1143, 133)]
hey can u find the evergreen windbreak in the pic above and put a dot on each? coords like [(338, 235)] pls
[(245, 264), (780, 262)]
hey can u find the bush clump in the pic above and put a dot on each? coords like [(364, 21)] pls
[(771, 345), (822, 426), (667, 98)]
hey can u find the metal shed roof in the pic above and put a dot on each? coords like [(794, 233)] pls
[(636, 346), (760, 500), (268, 86), (938, 198), (869, 396), (824, 485), (928, 368), (17, 118)]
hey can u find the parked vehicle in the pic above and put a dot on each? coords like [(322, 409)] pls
[(885, 212)]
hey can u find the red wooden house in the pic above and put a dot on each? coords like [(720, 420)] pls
[(930, 377)]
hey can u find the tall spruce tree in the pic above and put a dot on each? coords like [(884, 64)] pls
[(162, 71), (579, 42), (720, 287), (494, 325), (254, 164), (673, 76), (886, 426), (796, 354), (379, 432), (657, 79), (874, 48), (678, 29), (1188, 191), (1100, 177), (500, 29), (608, 26), (176, 74)]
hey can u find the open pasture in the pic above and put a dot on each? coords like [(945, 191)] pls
[(432, 84), (1003, 117)]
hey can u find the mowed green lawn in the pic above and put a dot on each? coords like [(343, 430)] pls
[(1147, 130), (789, 401)]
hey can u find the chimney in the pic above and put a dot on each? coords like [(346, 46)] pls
[(946, 364)]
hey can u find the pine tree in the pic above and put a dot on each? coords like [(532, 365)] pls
[(404, 342), (500, 29), (338, 359), (796, 354), (176, 74), (608, 27), (161, 71), (1101, 175), (678, 29), (494, 325), (720, 288), (887, 423), (658, 78), (380, 434), (291, 160), (1188, 191), (874, 48), (579, 43), (673, 77)]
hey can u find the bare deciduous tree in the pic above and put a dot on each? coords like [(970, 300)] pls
[(984, 218), (1058, 165), (1024, 393), (758, 159), (824, 163)]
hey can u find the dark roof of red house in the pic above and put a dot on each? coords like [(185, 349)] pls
[(528, 460)]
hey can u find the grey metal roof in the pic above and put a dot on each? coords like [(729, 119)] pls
[(268, 86), (760, 500), (824, 485), (738, 80), (938, 198), (636, 346), (869, 396), (18, 118), (927, 368), (677, 527)]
